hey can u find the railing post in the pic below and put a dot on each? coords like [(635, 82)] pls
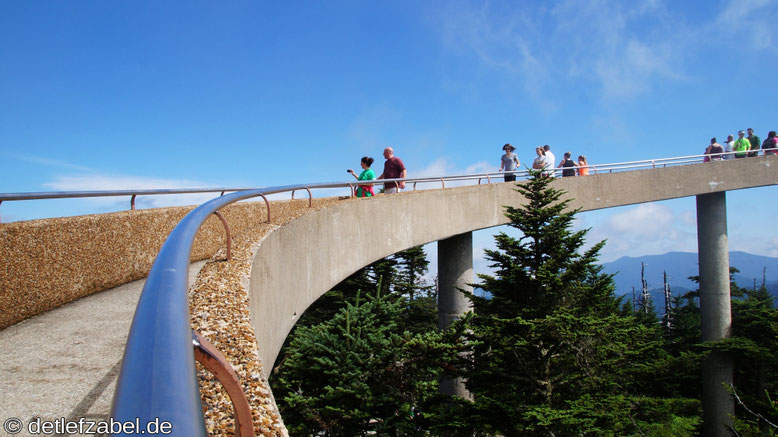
[(310, 197), (132, 202), (210, 357), (268, 206)]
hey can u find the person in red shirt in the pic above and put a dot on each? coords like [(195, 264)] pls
[(393, 169)]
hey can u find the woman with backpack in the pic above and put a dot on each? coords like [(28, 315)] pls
[(770, 144)]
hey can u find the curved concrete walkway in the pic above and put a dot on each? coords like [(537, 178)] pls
[(64, 363)]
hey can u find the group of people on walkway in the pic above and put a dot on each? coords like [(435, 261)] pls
[(743, 147), (393, 169), (509, 162), (546, 160)]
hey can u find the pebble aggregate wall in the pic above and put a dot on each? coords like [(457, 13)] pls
[(47, 263), (219, 304)]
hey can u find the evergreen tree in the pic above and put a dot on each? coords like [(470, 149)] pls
[(358, 373), (412, 265), (752, 345), (421, 312), (755, 351), (384, 272), (549, 350)]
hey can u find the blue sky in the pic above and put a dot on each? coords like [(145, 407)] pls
[(141, 94)]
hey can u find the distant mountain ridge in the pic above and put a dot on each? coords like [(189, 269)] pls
[(680, 265)]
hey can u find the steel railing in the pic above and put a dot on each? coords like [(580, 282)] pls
[(595, 168), (158, 378)]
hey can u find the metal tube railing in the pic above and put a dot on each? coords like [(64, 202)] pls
[(597, 168)]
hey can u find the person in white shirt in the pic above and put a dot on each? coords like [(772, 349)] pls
[(550, 159), (728, 145)]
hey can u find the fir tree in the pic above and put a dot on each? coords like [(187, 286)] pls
[(412, 265), (421, 312), (358, 373), (752, 345), (549, 350)]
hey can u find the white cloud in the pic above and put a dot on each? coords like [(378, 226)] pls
[(438, 167), (647, 229), (501, 39), (98, 182), (750, 21), (50, 162), (444, 167), (622, 47), (766, 245)]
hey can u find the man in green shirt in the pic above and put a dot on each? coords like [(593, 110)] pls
[(754, 140), (741, 145)]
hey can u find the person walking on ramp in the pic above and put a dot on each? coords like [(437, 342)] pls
[(367, 175), (393, 169), (509, 162)]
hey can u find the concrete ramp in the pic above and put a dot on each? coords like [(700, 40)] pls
[(64, 363)]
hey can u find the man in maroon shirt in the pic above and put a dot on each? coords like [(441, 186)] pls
[(393, 169)]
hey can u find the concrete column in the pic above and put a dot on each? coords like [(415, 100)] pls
[(715, 311), (455, 272)]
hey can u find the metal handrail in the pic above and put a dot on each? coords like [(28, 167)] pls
[(158, 378), (622, 166), (109, 193)]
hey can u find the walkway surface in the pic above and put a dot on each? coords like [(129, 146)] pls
[(64, 363)]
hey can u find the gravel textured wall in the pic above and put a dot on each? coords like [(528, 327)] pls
[(50, 262), (219, 303)]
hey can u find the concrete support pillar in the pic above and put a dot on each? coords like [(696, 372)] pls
[(715, 311), (455, 272)]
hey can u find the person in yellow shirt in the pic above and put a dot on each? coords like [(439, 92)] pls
[(741, 145)]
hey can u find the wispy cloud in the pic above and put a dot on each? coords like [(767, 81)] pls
[(100, 182), (444, 167), (647, 229), (50, 162), (750, 24), (604, 42)]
